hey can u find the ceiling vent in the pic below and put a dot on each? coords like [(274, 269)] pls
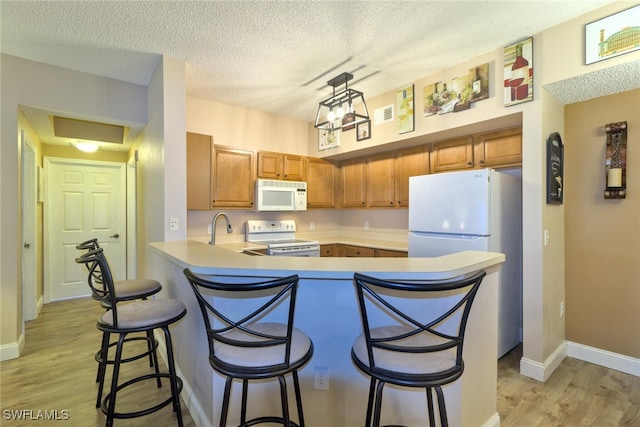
[(92, 131)]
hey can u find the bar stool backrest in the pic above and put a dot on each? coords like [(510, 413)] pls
[(417, 319), (235, 314), (100, 279), (88, 246)]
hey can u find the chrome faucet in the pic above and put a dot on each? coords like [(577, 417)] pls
[(213, 226)]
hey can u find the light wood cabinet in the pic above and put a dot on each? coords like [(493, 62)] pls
[(499, 149), (409, 162), (388, 253), (199, 177), (381, 180), (289, 167), (233, 177), (320, 183), (358, 251), (452, 155), (354, 184)]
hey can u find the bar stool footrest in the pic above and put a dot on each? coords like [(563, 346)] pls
[(154, 347), (264, 420), (123, 415)]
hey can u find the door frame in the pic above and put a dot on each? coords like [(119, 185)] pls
[(29, 244)]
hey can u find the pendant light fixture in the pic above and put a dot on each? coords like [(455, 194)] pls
[(344, 108)]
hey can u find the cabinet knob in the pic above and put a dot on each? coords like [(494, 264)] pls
[(469, 163), (481, 161)]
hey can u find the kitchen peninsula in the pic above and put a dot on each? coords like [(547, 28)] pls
[(327, 311)]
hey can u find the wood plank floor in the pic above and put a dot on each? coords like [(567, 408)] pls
[(57, 371)]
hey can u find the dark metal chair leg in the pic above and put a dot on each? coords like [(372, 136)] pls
[(111, 398), (296, 388), (225, 402), (102, 366), (432, 420), (175, 392), (442, 408), (378, 407), (285, 402), (372, 393), (243, 408)]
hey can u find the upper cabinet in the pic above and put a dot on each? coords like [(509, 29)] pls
[(409, 162), (321, 176), (354, 184), (381, 180), (452, 155), (233, 178), (499, 149), (199, 177), (288, 167)]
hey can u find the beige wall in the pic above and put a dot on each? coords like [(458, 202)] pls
[(602, 236)]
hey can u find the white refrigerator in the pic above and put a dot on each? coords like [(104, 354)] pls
[(473, 210)]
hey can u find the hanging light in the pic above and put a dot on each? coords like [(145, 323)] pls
[(356, 112)]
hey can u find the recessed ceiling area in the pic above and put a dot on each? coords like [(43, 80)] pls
[(64, 127)]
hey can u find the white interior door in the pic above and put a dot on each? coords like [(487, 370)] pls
[(85, 199), (29, 223)]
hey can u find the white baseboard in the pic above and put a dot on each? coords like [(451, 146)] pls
[(494, 421), (12, 350), (542, 371), (189, 398), (39, 305), (619, 362)]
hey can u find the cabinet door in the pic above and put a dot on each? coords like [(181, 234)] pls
[(456, 154), (199, 158), (320, 183), (390, 253), (409, 162), (269, 165), (381, 180), (293, 167), (499, 149), (354, 186), (358, 251), (233, 178)]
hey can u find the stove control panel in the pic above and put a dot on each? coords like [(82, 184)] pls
[(258, 227)]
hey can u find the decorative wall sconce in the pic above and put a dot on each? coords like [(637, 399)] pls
[(344, 109), (616, 161)]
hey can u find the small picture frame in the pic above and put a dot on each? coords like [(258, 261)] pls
[(363, 130), (404, 107), (518, 72), (611, 36), (328, 139)]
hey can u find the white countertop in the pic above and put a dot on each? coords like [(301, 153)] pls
[(226, 259)]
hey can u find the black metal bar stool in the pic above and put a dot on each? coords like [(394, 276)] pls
[(422, 350), (245, 344), (123, 318), (125, 290)]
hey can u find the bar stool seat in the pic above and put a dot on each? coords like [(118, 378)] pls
[(409, 344), (248, 342), (124, 318)]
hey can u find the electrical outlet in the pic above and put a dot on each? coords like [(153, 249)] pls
[(312, 225), (562, 309), (209, 229), (173, 224), (366, 225), (546, 237), (321, 378)]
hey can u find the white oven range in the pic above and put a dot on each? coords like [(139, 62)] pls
[(280, 238)]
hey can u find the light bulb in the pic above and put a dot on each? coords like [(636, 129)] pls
[(331, 116), (87, 147), (340, 112)]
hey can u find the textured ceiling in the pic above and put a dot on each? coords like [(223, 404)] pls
[(273, 56)]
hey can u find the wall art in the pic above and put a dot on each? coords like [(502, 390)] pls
[(518, 72), (612, 36), (456, 94), (328, 139), (404, 106), (363, 130), (555, 168)]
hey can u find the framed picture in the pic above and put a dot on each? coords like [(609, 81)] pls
[(518, 72), (479, 82), (348, 118), (612, 36), (431, 99), (328, 139), (404, 106), (363, 130), (555, 167)]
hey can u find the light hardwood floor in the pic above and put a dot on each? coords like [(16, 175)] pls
[(57, 371)]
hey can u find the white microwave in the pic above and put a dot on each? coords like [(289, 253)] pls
[(274, 195)]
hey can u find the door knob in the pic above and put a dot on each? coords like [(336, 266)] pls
[(115, 236), (27, 245)]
